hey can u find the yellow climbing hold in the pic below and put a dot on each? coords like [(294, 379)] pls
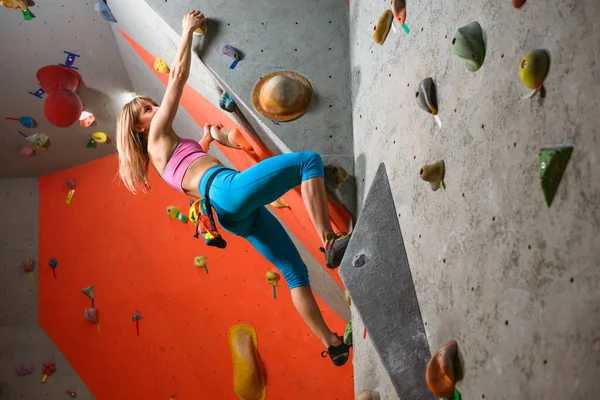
[(248, 382), (99, 137), (280, 203), (380, 31), (161, 66), (200, 261), (533, 68)]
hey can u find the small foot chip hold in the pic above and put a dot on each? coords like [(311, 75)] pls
[(335, 176), (518, 3), (280, 203), (248, 380), (348, 334), (444, 370), (434, 174), (553, 162), (469, 45), (368, 394), (161, 66), (381, 30)]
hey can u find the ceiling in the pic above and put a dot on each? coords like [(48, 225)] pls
[(27, 46)]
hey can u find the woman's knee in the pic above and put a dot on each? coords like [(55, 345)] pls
[(312, 165)]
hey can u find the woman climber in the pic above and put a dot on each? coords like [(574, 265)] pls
[(145, 134)]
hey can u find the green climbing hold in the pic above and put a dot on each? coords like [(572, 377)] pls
[(455, 396), (468, 44), (533, 68), (426, 96), (553, 162), (348, 334), (88, 291)]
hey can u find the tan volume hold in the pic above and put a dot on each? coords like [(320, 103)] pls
[(380, 31), (434, 174)]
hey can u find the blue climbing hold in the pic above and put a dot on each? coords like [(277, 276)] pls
[(226, 102), (104, 11)]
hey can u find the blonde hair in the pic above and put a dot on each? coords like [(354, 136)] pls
[(132, 147)]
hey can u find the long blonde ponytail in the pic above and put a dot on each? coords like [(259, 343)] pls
[(133, 147)]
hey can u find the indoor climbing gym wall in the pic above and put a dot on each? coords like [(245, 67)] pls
[(72, 34), (147, 311), (25, 349), (473, 157)]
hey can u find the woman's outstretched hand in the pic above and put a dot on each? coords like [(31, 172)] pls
[(192, 20)]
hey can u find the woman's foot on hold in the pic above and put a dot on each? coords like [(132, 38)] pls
[(338, 353), (335, 248)]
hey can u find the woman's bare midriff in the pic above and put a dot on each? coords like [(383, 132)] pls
[(195, 172)]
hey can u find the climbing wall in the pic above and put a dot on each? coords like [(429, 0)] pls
[(30, 45), (199, 106), (307, 37), (22, 341), (512, 280), (140, 261)]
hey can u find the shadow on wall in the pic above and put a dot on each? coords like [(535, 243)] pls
[(360, 169), (205, 41)]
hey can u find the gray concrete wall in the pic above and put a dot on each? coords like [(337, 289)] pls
[(308, 37), (515, 282), (22, 341), (27, 46)]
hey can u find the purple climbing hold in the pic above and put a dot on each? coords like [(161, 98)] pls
[(230, 51), (24, 369)]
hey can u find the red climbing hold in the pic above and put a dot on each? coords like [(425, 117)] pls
[(63, 106), (518, 3)]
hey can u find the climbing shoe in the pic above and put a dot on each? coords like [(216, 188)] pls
[(335, 249), (338, 354)]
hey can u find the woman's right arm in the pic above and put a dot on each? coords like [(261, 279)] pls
[(180, 71)]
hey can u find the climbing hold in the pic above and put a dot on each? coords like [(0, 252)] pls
[(28, 266), (71, 393), (282, 96), (24, 369), (48, 369), (248, 381), (468, 44), (161, 66), (200, 262), (71, 184), (15, 4), (444, 370), (62, 106), (27, 122), (88, 291), (86, 119), (136, 317), (91, 315), (53, 263), (426, 96), (232, 52), (347, 297), (553, 162), (38, 141), (434, 174), (273, 278), (201, 30), (174, 213), (348, 334), (104, 11), (382, 28), (368, 394), (533, 69), (99, 137), (226, 102), (358, 260), (335, 176), (398, 8), (518, 3), (238, 140), (280, 203), (26, 151)]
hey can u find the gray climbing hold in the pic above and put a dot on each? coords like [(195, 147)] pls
[(358, 260)]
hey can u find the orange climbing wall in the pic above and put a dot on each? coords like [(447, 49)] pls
[(140, 260)]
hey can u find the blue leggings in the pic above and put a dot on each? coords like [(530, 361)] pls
[(239, 200)]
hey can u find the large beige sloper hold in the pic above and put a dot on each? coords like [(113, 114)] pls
[(282, 96), (381, 30), (434, 174)]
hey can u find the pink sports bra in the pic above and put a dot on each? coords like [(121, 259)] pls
[(186, 152)]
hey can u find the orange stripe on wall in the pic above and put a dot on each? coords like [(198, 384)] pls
[(140, 260)]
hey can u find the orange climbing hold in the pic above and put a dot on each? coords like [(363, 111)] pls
[(248, 381), (444, 370)]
